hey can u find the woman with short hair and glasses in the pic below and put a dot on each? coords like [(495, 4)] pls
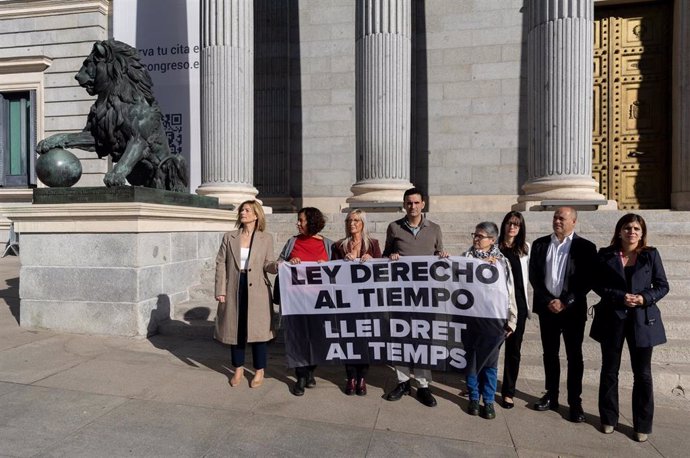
[(357, 245), (512, 244), (483, 381), (631, 280)]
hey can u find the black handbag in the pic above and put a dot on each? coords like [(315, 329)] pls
[(276, 290)]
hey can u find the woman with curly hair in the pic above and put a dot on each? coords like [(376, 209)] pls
[(307, 245)]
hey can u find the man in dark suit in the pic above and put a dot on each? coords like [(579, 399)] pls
[(560, 273)]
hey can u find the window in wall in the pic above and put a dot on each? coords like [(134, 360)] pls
[(17, 138)]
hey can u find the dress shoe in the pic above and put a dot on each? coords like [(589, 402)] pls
[(311, 381), (350, 387), (298, 388), (489, 411), (237, 377), (546, 403), (258, 379), (577, 415), (425, 397), (361, 387), (473, 408), (640, 437), (399, 391), (607, 429), (507, 402)]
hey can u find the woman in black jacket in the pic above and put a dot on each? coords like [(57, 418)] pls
[(631, 280)]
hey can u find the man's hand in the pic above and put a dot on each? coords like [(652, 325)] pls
[(556, 306)]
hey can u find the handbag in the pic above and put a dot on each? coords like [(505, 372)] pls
[(276, 290)]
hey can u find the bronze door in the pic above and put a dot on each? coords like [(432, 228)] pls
[(631, 147)]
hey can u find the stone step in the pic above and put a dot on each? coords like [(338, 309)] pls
[(669, 379), (675, 351)]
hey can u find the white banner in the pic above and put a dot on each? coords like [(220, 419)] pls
[(421, 284)]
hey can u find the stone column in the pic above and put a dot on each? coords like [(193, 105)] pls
[(227, 100), (383, 53), (680, 196), (559, 102)]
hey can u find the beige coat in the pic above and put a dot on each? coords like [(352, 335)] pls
[(260, 309)]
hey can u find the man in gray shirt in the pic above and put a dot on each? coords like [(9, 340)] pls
[(413, 235)]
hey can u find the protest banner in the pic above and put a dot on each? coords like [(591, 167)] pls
[(419, 311)]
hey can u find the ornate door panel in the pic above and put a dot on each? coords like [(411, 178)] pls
[(631, 135)]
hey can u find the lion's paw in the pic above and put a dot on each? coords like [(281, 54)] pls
[(55, 141), (112, 179)]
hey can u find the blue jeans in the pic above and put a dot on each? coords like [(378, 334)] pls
[(485, 381)]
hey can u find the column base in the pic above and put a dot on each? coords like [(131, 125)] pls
[(573, 190), (229, 197), (379, 196), (680, 200)]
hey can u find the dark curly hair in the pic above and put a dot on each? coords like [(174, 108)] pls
[(315, 219)]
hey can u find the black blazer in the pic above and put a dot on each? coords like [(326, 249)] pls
[(648, 279), (578, 276)]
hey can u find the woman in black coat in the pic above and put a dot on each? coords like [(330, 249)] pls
[(631, 280)]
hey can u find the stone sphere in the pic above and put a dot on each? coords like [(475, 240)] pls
[(58, 168)]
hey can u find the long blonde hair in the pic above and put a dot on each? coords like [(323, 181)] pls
[(366, 240)]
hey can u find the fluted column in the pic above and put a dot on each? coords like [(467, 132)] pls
[(680, 197), (559, 102), (382, 53), (227, 100)]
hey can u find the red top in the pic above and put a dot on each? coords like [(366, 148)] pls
[(308, 248)]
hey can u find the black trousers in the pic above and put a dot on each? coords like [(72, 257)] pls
[(259, 349), (643, 391), (552, 325), (511, 360), (356, 371)]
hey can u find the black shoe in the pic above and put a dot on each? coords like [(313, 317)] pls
[(311, 381), (298, 388), (489, 411), (507, 404), (546, 403), (399, 391), (577, 415), (361, 387), (425, 397), (350, 387), (473, 408)]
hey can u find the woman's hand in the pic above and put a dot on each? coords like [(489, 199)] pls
[(295, 261), (366, 257), (633, 300), (220, 299)]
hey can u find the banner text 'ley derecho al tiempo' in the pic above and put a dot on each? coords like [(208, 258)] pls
[(420, 311)]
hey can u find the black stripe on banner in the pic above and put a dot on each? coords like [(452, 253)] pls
[(438, 342)]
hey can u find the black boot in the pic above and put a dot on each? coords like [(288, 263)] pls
[(298, 388), (311, 381), (399, 391)]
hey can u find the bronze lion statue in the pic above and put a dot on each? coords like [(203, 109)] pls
[(124, 123)]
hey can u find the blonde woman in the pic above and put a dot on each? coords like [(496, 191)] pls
[(243, 292)]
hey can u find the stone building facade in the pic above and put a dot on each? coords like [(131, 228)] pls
[(484, 104)]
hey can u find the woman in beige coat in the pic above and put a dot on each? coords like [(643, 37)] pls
[(243, 290)]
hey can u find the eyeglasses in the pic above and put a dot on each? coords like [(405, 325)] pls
[(512, 223), (480, 236)]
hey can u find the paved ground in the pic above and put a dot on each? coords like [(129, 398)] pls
[(73, 395)]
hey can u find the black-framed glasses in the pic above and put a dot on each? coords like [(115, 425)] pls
[(513, 223), (480, 236)]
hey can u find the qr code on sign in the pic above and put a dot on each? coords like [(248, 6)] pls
[(172, 123)]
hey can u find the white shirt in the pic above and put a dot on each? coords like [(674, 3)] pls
[(556, 263), (244, 257)]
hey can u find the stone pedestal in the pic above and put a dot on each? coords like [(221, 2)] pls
[(227, 101), (383, 68), (116, 268), (559, 103)]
